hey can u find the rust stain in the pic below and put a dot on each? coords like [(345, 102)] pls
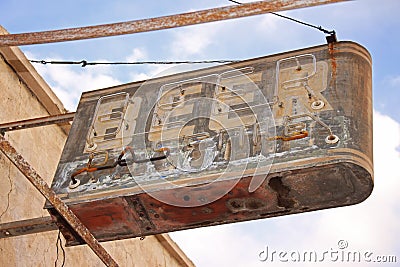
[(333, 62), (280, 194)]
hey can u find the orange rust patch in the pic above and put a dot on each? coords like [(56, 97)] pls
[(333, 61)]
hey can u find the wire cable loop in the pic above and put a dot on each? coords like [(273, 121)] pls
[(332, 33)]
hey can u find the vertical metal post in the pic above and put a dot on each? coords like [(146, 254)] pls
[(57, 203)]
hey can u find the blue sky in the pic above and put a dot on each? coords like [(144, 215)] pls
[(371, 225)]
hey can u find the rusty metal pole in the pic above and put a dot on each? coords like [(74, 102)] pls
[(26, 227), (36, 122), (159, 23), (57, 203)]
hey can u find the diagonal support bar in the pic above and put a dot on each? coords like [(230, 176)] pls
[(159, 23), (57, 203)]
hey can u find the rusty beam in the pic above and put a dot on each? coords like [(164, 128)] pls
[(158, 23), (57, 203), (26, 227), (36, 122)]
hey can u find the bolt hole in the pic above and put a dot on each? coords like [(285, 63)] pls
[(317, 104), (74, 183), (186, 198), (92, 146), (331, 139), (148, 228)]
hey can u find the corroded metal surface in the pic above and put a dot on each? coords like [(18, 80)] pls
[(321, 144), (25, 227), (58, 205), (153, 24), (37, 122)]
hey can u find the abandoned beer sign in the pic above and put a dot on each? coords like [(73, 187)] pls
[(264, 137)]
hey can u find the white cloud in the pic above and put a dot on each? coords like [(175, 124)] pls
[(69, 81), (136, 55), (152, 71), (394, 81), (193, 40), (149, 71), (369, 226)]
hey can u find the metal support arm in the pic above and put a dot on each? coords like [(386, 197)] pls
[(36, 122)]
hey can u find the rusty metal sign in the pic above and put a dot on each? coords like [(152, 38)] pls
[(264, 137)]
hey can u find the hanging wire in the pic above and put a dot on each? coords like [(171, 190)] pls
[(332, 33), (331, 39), (59, 244), (85, 63)]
